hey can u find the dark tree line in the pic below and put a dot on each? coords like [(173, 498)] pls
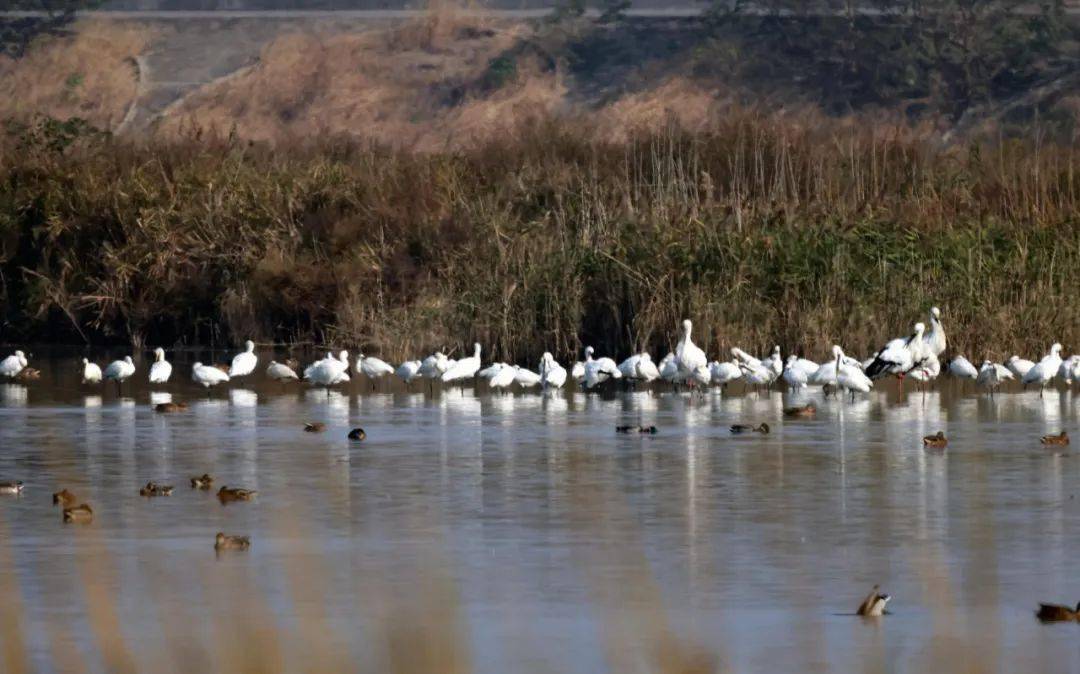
[(951, 54), (51, 17)]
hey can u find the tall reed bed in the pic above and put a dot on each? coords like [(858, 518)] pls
[(790, 229)]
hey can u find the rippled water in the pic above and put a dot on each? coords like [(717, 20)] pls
[(552, 543)]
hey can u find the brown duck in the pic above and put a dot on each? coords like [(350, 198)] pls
[(154, 489), (805, 411), (314, 427), (168, 408), (223, 542), (28, 374), (743, 428), (874, 604), (202, 482), (936, 441), (1061, 439), (80, 513), (1053, 613), (230, 494), (63, 498)]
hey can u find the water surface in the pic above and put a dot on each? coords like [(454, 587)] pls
[(533, 537)]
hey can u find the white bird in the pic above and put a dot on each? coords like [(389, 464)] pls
[(280, 372), (669, 369), (91, 373), (962, 368), (744, 358), (120, 370), (244, 363), (992, 375), (434, 366), (701, 375), (850, 377), (373, 368), (466, 368), (1068, 366), (207, 376), (13, 365), (935, 338), (1019, 366), (525, 377), (639, 367), (774, 362), (329, 371), (795, 375), (756, 375), (551, 373), (491, 370), (1045, 370), (408, 370), (503, 377), (899, 356), (577, 370), (161, 369), (688, 355), (724, 373), (599, 370), (927, 370)]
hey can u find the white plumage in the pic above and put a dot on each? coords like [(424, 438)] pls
[(161, 369), (91, 372), (992, 375), (934, 340), (13, 365), (244, 363), (962, 368), (1019, 366), (207, 376), (1045, 370), (372, 367), (689, 356), (408, 370), (281, 372), (466, 368), (724, 373), (525, 377), (551, 373), (119, 370), (850, 377)]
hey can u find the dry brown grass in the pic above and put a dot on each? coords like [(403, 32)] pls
[(408, 85), (90, 74)]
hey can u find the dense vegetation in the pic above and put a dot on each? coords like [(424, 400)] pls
[(763, 230)]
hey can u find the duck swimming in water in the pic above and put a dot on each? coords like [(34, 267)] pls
[(1060, 439), (231, 494), (14, 487), (154, 489), (743, 428), (1052, 613), (937, 441), (874, 604), (64, 498), (223, 542), (81, 514), (202, 482), (357, 434)]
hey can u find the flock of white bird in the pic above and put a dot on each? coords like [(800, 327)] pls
[(916, 355)]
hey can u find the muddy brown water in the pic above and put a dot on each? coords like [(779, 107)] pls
[(558, 544)]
